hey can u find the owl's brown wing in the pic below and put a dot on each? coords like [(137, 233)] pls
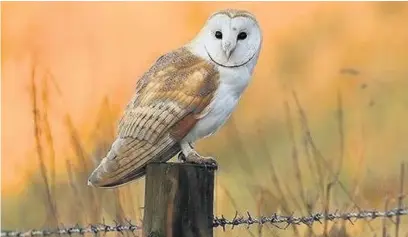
[(168, 100)]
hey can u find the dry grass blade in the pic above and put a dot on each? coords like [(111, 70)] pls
[(75, 141), (282, 198), (340, 119), (314, 171), (228, 193), (49, 139), (52, 214), (295, 155), (285, 205), (78, 197), (234, 204), (309, 143), (384, 224), (400, 198), (291, 196), (326, 209), (358, 176), (260, 201), (104, 114), (119, 213)]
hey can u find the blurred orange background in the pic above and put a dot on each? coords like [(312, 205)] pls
[(98, 50)]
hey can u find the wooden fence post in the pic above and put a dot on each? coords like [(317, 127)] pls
[(178, 200)]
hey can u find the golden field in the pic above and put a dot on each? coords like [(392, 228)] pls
[(69, 68)]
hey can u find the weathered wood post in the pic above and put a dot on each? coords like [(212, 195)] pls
[(178, 200)]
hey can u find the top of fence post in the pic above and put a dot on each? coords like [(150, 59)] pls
[(178, 200)]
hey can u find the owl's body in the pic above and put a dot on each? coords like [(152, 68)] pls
[(233, 82), (188, 94)]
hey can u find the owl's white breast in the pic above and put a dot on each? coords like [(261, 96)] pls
[(233, 82)]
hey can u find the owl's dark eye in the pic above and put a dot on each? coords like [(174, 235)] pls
[(242, 36), (218, 34)]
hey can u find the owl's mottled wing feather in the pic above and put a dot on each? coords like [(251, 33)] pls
[(169, 100)]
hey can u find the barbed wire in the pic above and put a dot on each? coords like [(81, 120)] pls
[(219, 222), (307, 220), (90, 229)]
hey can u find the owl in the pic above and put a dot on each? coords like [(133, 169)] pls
[(186, 95)]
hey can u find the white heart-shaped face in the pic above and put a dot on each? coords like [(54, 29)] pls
[(231, 40)]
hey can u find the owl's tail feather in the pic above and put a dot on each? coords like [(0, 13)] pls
[(127, 160)]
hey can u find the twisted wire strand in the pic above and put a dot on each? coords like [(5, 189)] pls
[(307, 220), (90, 229), (218, 222)]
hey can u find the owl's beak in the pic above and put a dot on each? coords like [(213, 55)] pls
[(228, 53), (228, 48)]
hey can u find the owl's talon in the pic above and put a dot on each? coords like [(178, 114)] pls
[(181, 157), (194, 158)]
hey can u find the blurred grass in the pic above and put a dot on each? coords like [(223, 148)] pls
[(350, 78)]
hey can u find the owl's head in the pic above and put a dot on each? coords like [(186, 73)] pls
[(230, 38)]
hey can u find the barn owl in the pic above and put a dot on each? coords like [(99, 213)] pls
[(187, 95)]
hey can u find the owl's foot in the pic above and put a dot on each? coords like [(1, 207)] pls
[(195, 158)]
